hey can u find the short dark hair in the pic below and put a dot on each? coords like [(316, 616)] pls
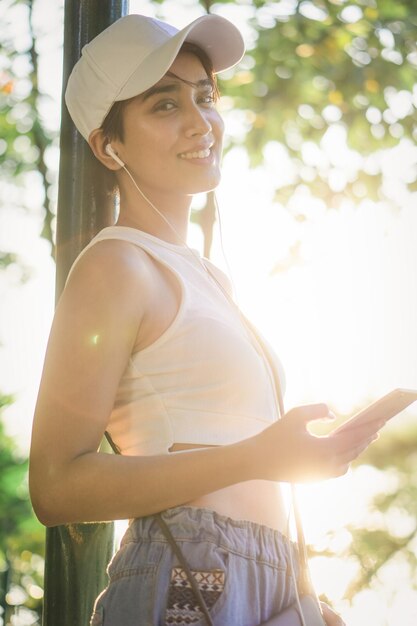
[(112, 125)]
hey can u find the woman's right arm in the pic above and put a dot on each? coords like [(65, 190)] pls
[(93, 334)]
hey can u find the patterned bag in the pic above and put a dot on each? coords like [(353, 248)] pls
[(306, 612)]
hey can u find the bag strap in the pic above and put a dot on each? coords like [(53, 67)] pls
[(183, 561), (175, 547), (304, 581)]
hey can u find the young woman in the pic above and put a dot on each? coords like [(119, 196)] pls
[(147, 345)]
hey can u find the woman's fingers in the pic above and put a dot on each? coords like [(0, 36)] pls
[(348, 441), (340, 458), (287, 451), (335, 453)]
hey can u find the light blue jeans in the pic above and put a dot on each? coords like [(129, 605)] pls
[(242, 570)]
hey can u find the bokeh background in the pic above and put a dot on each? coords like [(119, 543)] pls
[(319, 220)]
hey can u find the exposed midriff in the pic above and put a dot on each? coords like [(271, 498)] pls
[(259, 501)]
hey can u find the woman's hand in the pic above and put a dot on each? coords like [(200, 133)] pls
[(287, 451), (330, 617)]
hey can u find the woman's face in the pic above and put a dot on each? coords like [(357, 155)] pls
[(173, 133)]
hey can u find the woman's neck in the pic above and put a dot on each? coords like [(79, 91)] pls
[(167, 219)]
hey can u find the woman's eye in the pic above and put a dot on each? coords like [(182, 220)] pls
[(208, 99), (166, 105)]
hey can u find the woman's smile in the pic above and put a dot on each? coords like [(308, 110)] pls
[(199, 156), (197, 153)]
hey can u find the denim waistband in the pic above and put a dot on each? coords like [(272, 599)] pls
[(194, 525)]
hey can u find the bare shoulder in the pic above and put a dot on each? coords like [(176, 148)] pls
[(113, 269), (110, 287)]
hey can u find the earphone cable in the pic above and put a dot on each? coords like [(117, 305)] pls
[(184, 243), (219, 220), (158, 211)]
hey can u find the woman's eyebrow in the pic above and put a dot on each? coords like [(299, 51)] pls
[(165, 88), (175, 86)]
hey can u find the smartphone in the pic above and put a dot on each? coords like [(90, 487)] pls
[(382, 410)]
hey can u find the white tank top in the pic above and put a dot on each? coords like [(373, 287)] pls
[(204, 380)]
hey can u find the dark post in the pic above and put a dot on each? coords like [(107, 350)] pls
[(77, 555), (81, 211)]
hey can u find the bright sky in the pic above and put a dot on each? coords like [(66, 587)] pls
[(340, 307)]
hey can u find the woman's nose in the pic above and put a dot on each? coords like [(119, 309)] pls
[(197, 122)]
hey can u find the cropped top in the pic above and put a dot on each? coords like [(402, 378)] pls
[(204, 380)]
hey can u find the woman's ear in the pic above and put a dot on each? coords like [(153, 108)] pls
[(98, 142)]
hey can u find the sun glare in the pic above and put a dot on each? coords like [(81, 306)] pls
[(332, 289)]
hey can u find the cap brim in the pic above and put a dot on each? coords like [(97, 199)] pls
[(218, 37)]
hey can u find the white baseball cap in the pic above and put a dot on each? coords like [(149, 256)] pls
[(133, 54)]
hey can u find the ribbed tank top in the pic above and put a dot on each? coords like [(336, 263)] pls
[(204, 380)]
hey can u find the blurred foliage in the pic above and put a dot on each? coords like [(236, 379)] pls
[(23, 142), (351, 57), (21, 538), (7, 258), (314, 65), (24, 137), (389, 536), (394, 531)]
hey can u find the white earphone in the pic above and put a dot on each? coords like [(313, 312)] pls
[(113, 155)]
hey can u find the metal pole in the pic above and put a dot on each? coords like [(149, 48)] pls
[(82, 212), (77, 555)]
